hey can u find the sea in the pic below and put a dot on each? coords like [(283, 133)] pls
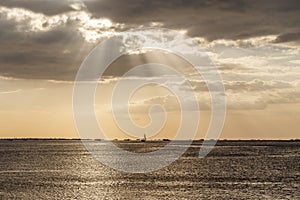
[(65, 169)]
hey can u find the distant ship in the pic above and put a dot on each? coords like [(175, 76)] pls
[(144, 139)]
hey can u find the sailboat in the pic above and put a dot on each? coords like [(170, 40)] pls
[(144, 139)]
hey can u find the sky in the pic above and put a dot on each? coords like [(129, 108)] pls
[(254, 44)]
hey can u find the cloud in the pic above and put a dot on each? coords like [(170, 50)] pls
[(288, 37), (34, 45), (257, 85), (169, 102), (212, 20), (50, 39), (253, 94), (47, 7), (10, 92)]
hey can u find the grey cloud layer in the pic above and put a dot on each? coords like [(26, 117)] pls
[(48, 7), (57, 53), (212, 19)]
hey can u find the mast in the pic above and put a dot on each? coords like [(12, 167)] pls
[(144, 139)]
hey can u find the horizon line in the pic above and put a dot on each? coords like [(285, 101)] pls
[(161, 139)]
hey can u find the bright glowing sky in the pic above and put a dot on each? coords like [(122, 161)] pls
[(254, 44)]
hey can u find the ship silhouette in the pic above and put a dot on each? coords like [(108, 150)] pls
[(144, 139)]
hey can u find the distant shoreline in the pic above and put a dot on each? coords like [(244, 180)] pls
[(155, 140)]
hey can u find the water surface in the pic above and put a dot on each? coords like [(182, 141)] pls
[(64, 169)]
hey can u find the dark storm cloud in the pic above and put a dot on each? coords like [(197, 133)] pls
[(215, 19), (288, 37), (212, 19), (39, 54), (55, 54), (57, 35), (48, 7)]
